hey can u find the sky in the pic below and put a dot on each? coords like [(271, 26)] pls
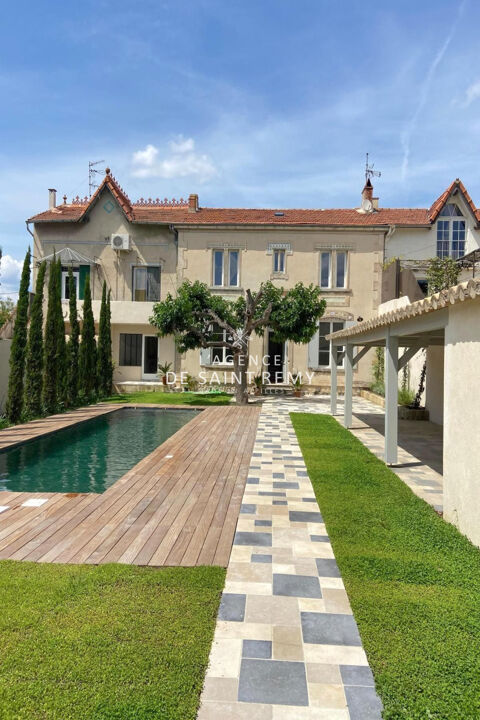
[(249, 103)]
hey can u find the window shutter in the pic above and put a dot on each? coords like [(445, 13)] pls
[(206, 356), (313, 352), (84, 272)]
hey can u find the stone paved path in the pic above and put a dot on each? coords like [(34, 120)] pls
[(286, 643)]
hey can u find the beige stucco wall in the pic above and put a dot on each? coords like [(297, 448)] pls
[(4, 370), (461, 453), (434, 383), (359, 298)]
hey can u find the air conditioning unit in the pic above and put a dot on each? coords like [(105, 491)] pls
[(120, 242)]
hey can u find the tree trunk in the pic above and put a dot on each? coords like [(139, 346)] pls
[(240, 367)]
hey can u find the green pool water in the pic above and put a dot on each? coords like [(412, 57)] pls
[(91, 456)]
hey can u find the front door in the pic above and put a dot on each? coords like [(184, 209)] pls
[(150, 357), (276, 360)]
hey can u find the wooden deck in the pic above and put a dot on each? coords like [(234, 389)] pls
[(177, 506)]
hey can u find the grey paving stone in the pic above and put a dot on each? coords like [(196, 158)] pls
[(286, 485), (246, 509), (357, 675), (279, 502), (253, 481), (327, 567), (253, 538), (263, 523), (329, 629), (232, 607), (302, 473), (309, 499), (257, 649), (319, 538), (266, 493), (363, 703), (261, 558), (278, 475), (274, 682), (304, 516), (296, 585)]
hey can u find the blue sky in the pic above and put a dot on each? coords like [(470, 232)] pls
[(247, 102)]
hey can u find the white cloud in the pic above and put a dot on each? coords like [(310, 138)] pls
[(10, 271), (181, 161), (472, 93)]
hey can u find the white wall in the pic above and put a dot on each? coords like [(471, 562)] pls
[(461, 452), (434, 384)]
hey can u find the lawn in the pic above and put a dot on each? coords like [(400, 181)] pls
[(110, 642), (167, 398), (413, 580)]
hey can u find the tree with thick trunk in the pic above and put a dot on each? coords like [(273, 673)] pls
[(196, 316)]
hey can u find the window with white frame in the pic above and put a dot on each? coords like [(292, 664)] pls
[(325, 328), (66, 283), (226, 271), (450, 232), (333, 269), (220, 355), (279, 260), (146, 283)]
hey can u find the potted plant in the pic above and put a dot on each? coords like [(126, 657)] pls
[(297, 385), (164, 369), (258, 382)]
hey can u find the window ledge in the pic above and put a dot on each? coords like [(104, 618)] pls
[(278, 276), (339, 291), (226, 288)]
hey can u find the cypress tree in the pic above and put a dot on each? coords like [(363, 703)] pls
[(62, 375), (104, 351), (88, 348), (34, 362), (18, 349), (50, 378), (72, 346)]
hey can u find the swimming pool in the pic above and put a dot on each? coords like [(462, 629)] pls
[(90, 456)]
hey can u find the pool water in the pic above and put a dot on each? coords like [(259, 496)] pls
[(91, 456)]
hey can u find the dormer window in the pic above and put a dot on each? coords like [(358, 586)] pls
[(450, 232)]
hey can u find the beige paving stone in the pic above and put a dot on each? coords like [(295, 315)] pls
[(220, 689), (311, 605), (327, 695), (283, 568), (336, 601), (281, 555), (335, 654), (234, 711), (240, 553), (329, 582), (323, 673), (284, 712), (243, 630), (225, 658), (249, 572), (259, 588), (287, 634), (270, 609), (283, 651), (306, 566)]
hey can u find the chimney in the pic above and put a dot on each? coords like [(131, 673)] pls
[(375, 203), (52, 198), (367, 192), (193, 203)]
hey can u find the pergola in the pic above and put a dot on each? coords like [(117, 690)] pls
[(411, 327)]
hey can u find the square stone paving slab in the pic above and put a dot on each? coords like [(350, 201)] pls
[(276, 682), (296, 585), (329, 629)]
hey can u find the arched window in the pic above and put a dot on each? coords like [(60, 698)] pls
[(450, 232)]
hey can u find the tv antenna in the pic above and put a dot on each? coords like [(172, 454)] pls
[(92, 172), (370, 172)]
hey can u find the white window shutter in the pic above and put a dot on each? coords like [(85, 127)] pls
[(313, 352), (206, 356)]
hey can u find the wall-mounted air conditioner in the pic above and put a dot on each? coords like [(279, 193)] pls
[(120, 242)]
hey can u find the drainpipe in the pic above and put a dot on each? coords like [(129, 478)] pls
[(386, 237)]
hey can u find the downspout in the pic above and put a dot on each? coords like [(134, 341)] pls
[(386, 237)]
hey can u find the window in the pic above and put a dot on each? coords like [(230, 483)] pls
[(341, 269), (146, 283), (226, 265), (130, 349), (325, 328), (279, 261), (333, 269), (325, 264), (66, 283), (220, 355), (450, 233)]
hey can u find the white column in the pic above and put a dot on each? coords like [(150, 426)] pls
[(333, 378), (347, 413), (391, 399)]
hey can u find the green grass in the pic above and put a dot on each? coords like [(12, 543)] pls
[(167, 398), (110, 642), (413, 579)]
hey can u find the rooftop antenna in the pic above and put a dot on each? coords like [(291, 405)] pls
[(92, 171), (370, 172)]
